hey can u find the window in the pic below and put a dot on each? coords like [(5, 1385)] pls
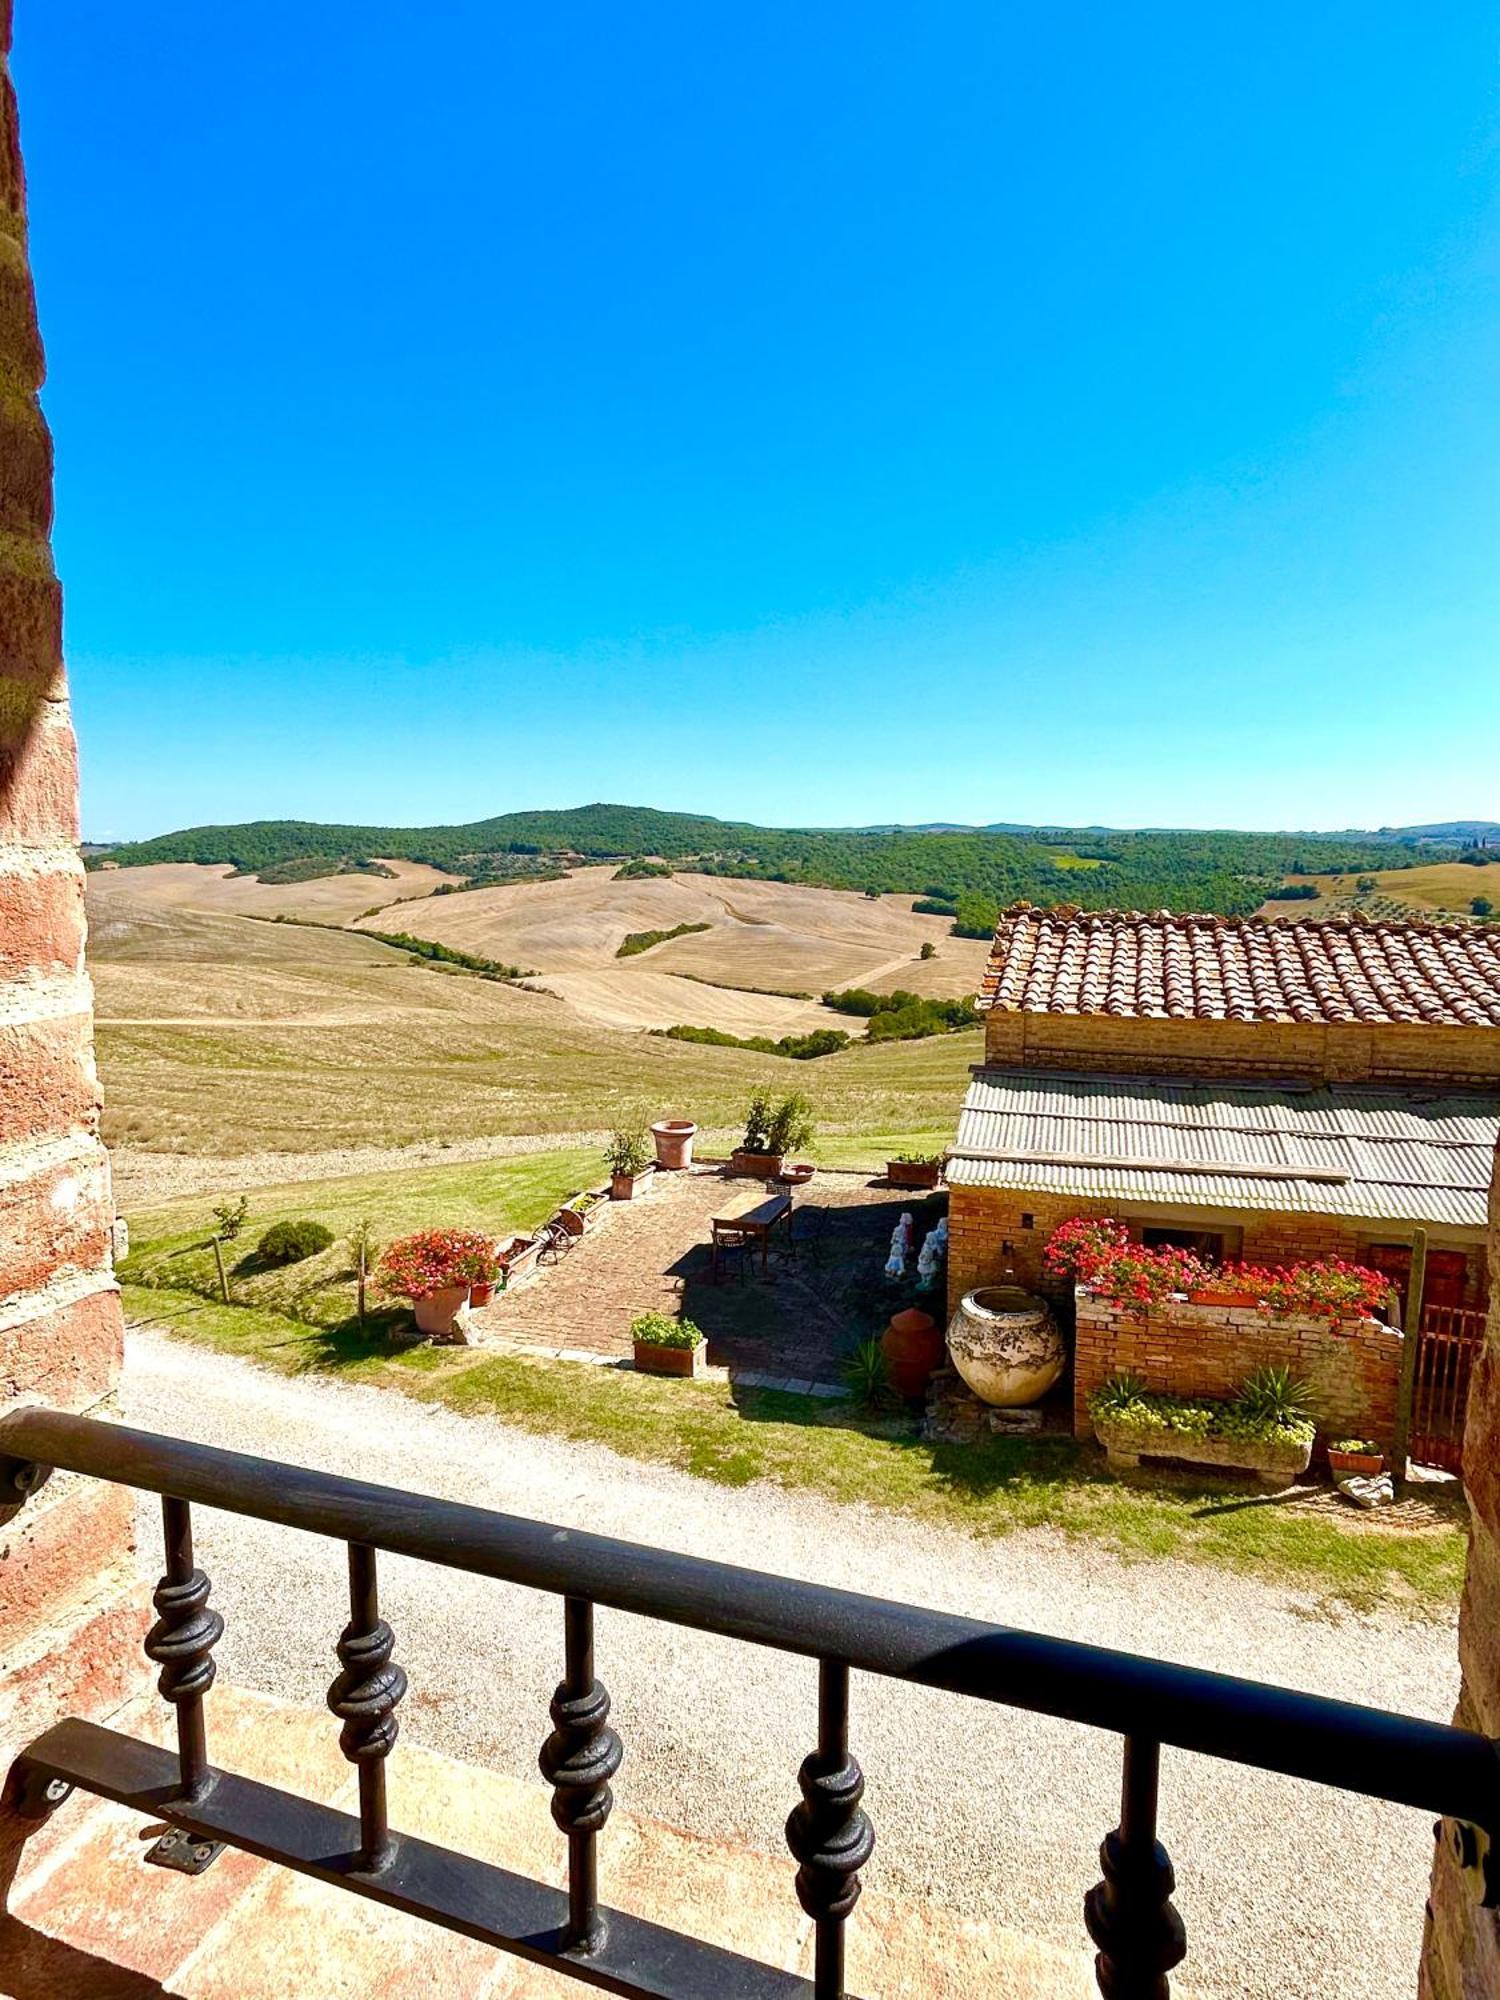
[(1208, 1243)]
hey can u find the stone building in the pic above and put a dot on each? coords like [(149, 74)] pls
[(1255, 1090)]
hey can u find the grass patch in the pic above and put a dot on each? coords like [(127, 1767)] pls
[(736, 1437)]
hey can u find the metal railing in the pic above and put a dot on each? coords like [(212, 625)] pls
[(1129, 1914)]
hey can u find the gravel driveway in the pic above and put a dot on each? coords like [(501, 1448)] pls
[(1287, 1890)]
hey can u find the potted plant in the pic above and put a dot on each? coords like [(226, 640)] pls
[(914, 1170), (667, 1346), (772, 1130), (628, 1157), (674, 1143), (1327, 1288), (582, 1212), (1357, 1456), (516, 1257), (436, 1269), (1266, 1429)]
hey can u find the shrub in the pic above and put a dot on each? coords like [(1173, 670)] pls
[(638, 941), (628, 1151), (791, 1126), (661, 1330), (758, 1114), (1481, 906), (929, 949), (1365, 885), (1293, 892), (867, 1376), (291, 1242), (417, 1266)]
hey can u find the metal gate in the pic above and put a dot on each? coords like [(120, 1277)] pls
[(1447, 1347)]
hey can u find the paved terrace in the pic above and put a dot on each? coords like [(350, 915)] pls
[(652, 1255)]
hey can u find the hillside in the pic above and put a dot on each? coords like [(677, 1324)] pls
[(968, 873)]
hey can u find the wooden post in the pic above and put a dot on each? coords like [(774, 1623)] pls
[(223, 1279), (1411, 1329), (360, 1289)]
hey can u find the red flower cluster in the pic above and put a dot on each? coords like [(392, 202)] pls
[(1081, 1248), (1098, 1254), (417, 1266), (1328, 1285)]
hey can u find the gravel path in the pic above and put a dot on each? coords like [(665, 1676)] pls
[(1287, 1890)]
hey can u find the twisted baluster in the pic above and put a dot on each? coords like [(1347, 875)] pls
[(1129, 1914), (181, 1643), (364, 1697), (578, 1760), (828, 1833)]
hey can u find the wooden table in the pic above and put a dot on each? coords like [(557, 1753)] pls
[(751, 1219)]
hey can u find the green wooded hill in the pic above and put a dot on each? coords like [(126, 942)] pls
[(964, 873)]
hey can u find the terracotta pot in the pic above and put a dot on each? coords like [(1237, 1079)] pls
[(674, 1143), (759, 1166), (1364, 1464), (653, 1360), (913, 1347), (1210, 1295), (798, 1174), (625, 1187), (1006, 1345), (441, 1314), (482, 1293), (913, 1173)]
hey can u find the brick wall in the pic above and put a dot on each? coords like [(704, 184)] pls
[(70, 1613), (1336, 1052), (988, 1230), (1461, 1951), (1177, 1349)]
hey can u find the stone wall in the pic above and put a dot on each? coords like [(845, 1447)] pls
[(1353, 1370), (1461, 1952), (992, 1228), (70, 1612), (1267, 1051)]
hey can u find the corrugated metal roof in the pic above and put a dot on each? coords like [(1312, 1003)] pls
[(1383, 1155)]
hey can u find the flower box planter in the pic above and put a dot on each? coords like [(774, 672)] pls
[(651, 1359), (625, 1187), (757, 1166), (1220, 1295), (578, 1221), (518, 1259), (1274, 1464), (1355, 1464), (914, 1173)]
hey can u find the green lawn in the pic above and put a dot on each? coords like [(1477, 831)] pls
[(737, 1436)]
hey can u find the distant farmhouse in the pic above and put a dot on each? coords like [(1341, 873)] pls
[(1260, 1090)]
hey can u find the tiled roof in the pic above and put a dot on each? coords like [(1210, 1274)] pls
[(1379, 1155), (1123, 963)]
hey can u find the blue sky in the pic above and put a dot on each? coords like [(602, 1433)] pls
[(807, 414)]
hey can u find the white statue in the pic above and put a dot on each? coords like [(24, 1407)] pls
[(895, 1264), (930, 1257)]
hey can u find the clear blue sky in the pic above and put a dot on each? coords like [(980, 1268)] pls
[(826, 413)]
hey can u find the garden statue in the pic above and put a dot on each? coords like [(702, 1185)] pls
[(895, 1264), (931, 1256)]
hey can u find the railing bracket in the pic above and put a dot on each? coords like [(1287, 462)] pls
[(34, 1794), (184, 1852)]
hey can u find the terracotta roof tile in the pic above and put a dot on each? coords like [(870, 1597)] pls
[(1126, 964)]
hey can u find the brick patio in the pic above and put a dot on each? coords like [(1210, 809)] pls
[(819, 1298)]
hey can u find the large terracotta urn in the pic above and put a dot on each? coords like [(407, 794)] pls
[(442, 1314), (1006, 1345), (674, 1143), (913, 1347)]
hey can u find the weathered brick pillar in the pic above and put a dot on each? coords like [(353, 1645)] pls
[(1461, 1953), (69, 1609)]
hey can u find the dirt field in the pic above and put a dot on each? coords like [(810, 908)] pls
[(336, 899), (221, 1036), (1445, 888)]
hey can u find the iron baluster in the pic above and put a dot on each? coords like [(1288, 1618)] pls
[(828, 1833), (578, 1760), (181, 1643), (365, 1695), (1129, 1914)]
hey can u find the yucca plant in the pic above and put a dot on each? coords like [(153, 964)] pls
[(867, 1377), (1272, 1396)]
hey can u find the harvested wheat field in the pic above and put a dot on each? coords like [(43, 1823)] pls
[(1445, 889), (332, 899), (221, 1036)]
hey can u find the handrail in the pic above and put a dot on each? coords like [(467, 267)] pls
[(1410, 1761)]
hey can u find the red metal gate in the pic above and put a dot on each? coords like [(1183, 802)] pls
[(1447, 1347)]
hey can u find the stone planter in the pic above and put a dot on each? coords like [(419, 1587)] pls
[(653, 1360), (441, 1315), (914, 1173), (757, 1166), (1006, 1345), (1274, 1465), (913, 1348), (625, 1187), (674, 1143)]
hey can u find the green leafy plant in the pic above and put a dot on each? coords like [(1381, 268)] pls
[(791, 1126), (758, 1115), (662, 1330), (628, 1151), (918, 1159), (1355, 1447), (867, 1376), (1275, 1398), (230, 1216), (1271, 1408), (292, 1242)]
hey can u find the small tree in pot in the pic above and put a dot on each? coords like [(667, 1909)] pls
[(772, 1130)]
